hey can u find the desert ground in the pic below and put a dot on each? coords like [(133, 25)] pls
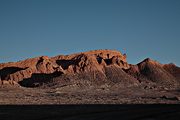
[(91, 95), (74, 103)]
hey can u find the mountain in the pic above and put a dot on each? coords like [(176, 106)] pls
[(95, 67)]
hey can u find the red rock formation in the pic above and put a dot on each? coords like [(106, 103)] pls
[(96, 65), (173, 69), (153, 71)]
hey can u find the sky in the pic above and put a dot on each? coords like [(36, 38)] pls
[(140, 28)]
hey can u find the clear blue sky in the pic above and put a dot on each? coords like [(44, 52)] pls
[(139, 28)]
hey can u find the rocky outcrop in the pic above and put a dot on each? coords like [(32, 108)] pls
[(152, 71), (173, 69), (99, 66)]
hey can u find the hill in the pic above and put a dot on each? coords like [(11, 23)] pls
[(96, 67)]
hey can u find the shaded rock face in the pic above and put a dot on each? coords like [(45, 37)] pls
[(152, 71), (173, 69), (98, 67)]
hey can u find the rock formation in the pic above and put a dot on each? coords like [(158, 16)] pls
[(99, 66), (152, 71)]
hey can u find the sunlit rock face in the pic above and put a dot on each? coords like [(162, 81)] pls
[(99, 65)]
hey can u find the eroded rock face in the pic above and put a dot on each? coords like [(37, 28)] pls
[(65, 64), (98, 65), (153, 71), (173, 69)]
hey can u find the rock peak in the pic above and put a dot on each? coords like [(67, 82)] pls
[(149, 61)]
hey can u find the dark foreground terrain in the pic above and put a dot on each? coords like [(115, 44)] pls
[(91, 112)]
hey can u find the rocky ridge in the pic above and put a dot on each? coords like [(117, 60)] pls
[(97, 66)]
